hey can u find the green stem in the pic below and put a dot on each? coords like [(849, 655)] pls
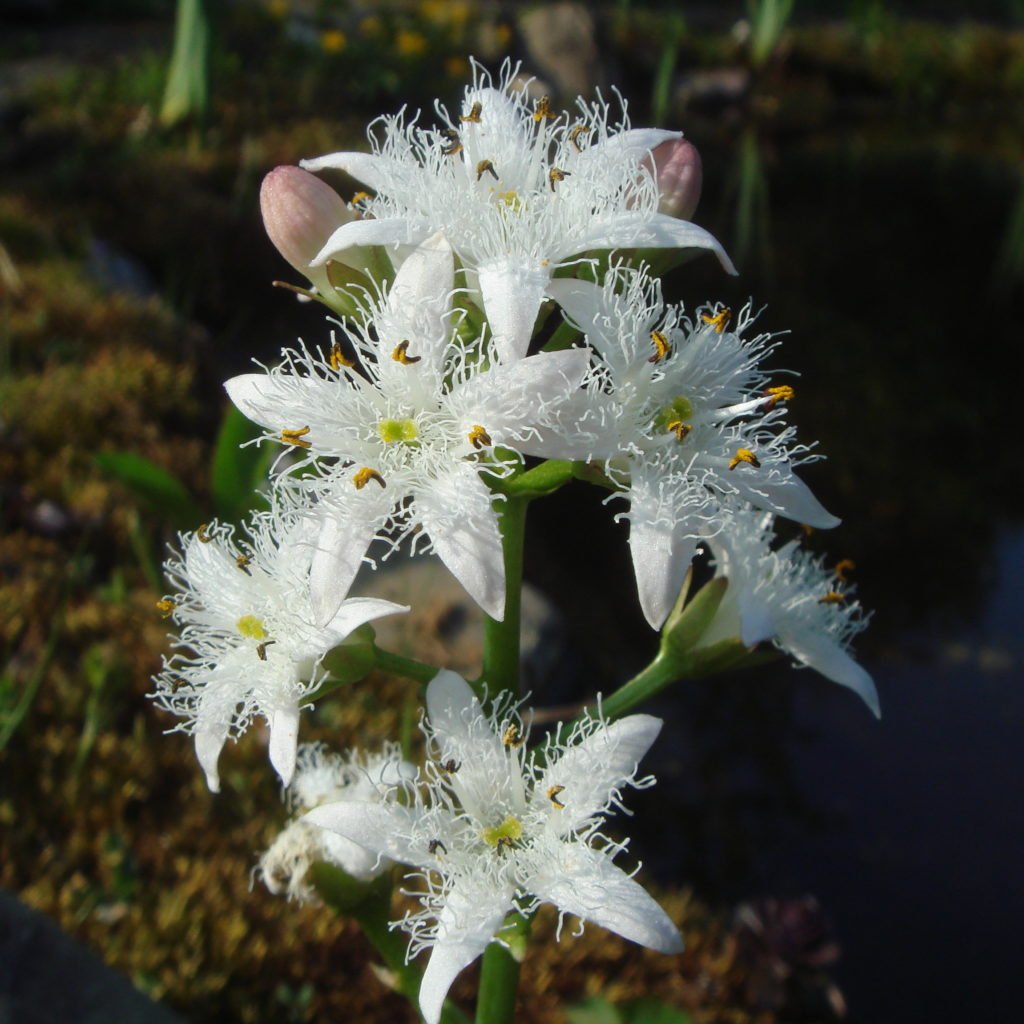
[(661, 672), (396, 664), (499, 979), (501, 639)]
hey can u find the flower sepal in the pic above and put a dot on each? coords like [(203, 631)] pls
[(351, 661)]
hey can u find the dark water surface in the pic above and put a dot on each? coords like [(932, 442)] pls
[(880, 248)]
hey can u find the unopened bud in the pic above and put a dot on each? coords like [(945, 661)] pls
[(677, 170), (300, 213)]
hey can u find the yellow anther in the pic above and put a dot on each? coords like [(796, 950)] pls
[(486, 167), (251, 626), (543, 109), (556, 174), (401, 354), (474, 113), (719, 319), (261, 649), (511, 737), (662, 348), (680, 429), (843, 566), (338, 359), (454, 146), (747, 456), (296, 437), (505, 834), (479, 438), (360, 197), (832, 597), (363, 476), (202, 535), (242, 561), (165, 607), (575, 135), (553, 792), (782, 393)]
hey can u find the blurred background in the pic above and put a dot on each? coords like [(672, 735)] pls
[(864, 166)]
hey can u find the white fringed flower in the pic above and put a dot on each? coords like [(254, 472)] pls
[(787, 596), (249, 644), (518, 191), (684, 421), (408, 434), (322, 777), (496, 828)]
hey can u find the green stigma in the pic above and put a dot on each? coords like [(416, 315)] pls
[(252, 627), (680, 409), (397, 430), (510, 830)]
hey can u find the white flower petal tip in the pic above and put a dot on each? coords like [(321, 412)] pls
[(209, 744), (512, 294), (449, 698), (284, 742)]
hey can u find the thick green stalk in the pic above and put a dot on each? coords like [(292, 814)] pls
[(499, 979), (660, 673), (501, 639), (396, 664)]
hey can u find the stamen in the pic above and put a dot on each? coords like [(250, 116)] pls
[(360, 197), (261, 649), (808, 530), (363, 476), (511, 737), (556, 174), (450, 767), (434, 845), (479, 438), (662, 348), (747, 456), (400, 354), (719, 320), (486, 167), (454, 146), (553, 792), (204, 537), (680, 429), (338, 359), (543, 109), (166, 607), (832, 597), (296, 437), (843, 566), (576, 133), (474, 113), (242, 561), (782, 393)]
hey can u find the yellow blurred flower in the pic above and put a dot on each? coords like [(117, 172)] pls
[(333, 40), (409, 43), (370, 25), (278, 8), (456, 67)]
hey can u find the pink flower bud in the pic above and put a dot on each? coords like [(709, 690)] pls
[(678, 173), (300, 213)]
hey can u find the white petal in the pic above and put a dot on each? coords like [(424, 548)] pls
[(380, 828), (590, 771), (260, 397), (634, 230), (210, 738), (456, 513), (582, 303), (629, 145), (661, 557), (356, 611), (756, 622), (465, 926), (827, 656), (511, 293), (339, 553), (368, 169), (585, 882), (284, 741), (388, 231), (789, 497), (451, 705)]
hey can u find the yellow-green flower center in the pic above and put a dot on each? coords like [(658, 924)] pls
[(679, 410), (252, 627), (509, 831), (397, 430)]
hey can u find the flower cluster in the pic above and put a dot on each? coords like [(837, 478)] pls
[(414, 427), (493, 828)]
